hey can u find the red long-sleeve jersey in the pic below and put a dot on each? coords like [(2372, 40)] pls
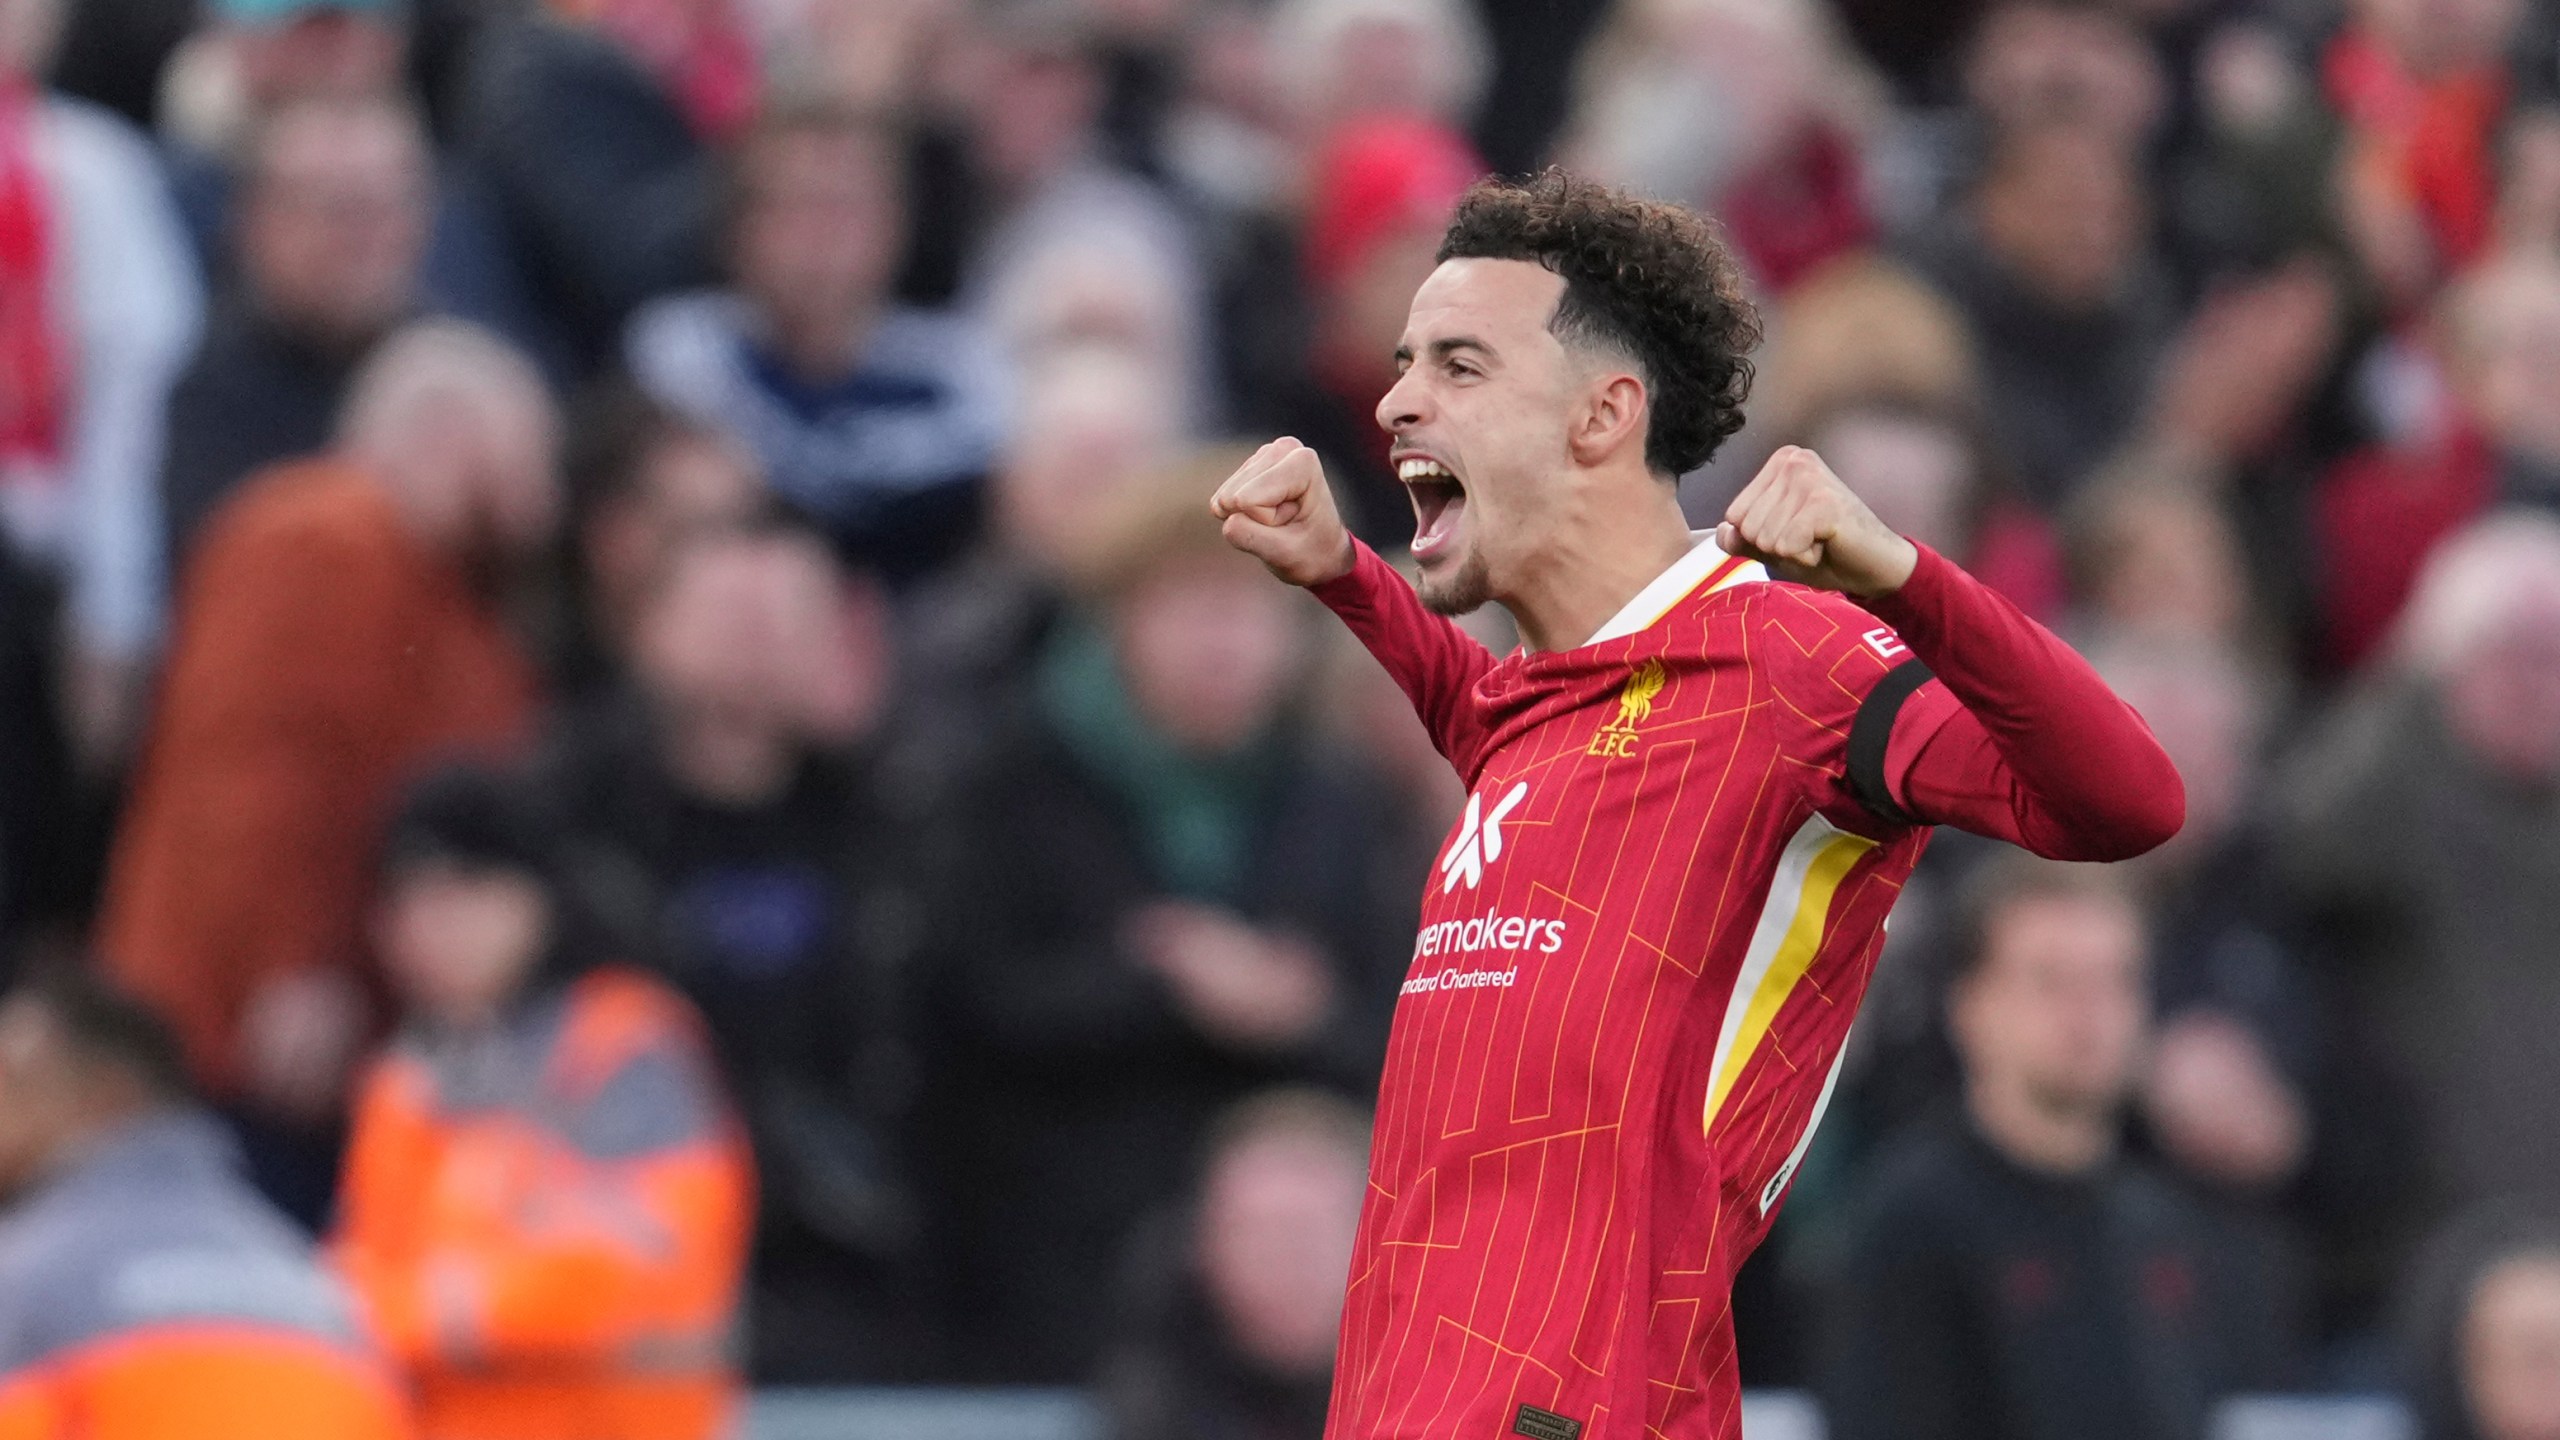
[(1640, 953)]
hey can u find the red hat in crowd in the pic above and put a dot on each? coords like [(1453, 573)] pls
[(1379, 177)]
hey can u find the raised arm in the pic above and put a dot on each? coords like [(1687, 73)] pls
[(2036, 750), (2042, 754), (1278, 509)]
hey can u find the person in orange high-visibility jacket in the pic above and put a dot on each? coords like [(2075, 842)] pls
[(546, 1204), (146, 1292)]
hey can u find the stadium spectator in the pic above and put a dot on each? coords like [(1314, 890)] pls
[(2154, 554), (594, 129), (641, 481), (2381, 511), (2009, 1271), (255, 59), (875, 420), (732, 807), (145, 1291), (2037, 63), (1063, 247), (248, 60), (332, 221), (546, 1200), (1228, 1322), (1753, 110), (341, 624), (2420, 826), (1343, 62), (2486, 1330), (1088, 433), (99, 304), (1928, 469), (2050, 262), (1159, 899)]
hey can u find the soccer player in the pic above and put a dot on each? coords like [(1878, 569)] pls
[(1694, 794)]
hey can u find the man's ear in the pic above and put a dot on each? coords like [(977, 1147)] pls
[(1614, 413)]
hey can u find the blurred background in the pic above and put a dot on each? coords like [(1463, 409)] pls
[(616, 696)]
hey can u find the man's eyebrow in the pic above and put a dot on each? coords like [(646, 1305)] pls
[(1443, 349)]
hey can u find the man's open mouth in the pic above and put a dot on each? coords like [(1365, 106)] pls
[(1439, 501)]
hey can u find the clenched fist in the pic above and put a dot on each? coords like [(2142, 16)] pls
[(1278, 509), (1797, 518)]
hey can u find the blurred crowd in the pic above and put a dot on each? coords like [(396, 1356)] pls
[(615, 686)]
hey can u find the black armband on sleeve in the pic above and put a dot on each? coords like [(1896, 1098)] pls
[(1872, 732)]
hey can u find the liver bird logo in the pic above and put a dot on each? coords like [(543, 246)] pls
[(1635, 700)]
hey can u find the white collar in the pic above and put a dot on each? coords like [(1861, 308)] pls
[(1673, 586)]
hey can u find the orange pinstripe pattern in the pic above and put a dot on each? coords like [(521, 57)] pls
[(1548, 1223)]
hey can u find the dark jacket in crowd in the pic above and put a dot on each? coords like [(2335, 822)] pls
[(2063, 389), (1978, 1300), (785, 924), (600, 186), (1175, 1371), (254, 394), (2430, 877), (1068, 1090)]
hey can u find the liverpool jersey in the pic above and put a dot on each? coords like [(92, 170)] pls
[(1640, 952)]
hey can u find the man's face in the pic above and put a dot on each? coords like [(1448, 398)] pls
[(1208, 649), (1480, 417), (335, 222), (1277, 1217), (2063, 210), (459, 943), (819, 232), (2056, 1008)]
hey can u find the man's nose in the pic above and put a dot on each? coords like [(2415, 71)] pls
[(1401, 409)]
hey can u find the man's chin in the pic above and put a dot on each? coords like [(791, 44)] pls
[(1458, 589)]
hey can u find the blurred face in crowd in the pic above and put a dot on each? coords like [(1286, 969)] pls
[(1486, 395), (2505, 328), (2502, 692), (1915, 471), (1032, 102), (321, 51), (2053, 1014), (757, 646), (820, 223), (459, 942), (335, 219), (2168, 564), (503, 458), (1088, 429), (2039, 64), (691, 483), (2510, 1350), (1277, 1215), (1208, 649), (2196, 696), (2063, 209)]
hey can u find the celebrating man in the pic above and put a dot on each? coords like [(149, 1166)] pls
[(1695, 793)]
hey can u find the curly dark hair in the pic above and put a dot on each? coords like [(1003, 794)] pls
[(1649, 280)]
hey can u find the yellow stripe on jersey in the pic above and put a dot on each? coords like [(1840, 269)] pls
[(1743, 574), (1817, 858)]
